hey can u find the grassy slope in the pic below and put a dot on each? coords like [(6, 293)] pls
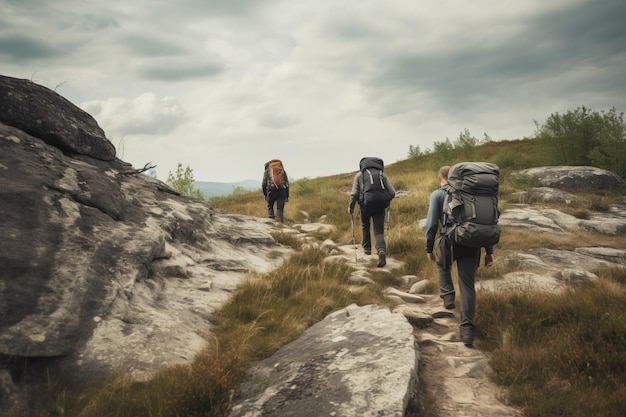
[(557, 354)]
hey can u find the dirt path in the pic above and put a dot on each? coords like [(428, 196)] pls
[(455, 378)]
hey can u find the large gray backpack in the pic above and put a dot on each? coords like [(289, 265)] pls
[(471, 205)]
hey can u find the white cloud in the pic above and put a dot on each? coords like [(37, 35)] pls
[(225, 86), (146, 114)]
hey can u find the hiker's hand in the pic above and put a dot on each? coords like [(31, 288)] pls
[(287, 200), (350, 209), (431, 257), (489, 258)]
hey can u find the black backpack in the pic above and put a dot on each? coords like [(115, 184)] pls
[(471, 206), (375, 195)]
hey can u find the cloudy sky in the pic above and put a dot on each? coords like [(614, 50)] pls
[(223, 86)]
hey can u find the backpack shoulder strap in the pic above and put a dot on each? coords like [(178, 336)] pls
[(446, 200)]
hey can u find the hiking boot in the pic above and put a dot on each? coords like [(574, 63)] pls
[(367, 251), (448, 302), (467, 336), (382, 258)]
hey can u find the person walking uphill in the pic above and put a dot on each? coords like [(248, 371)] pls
[(275, 187), (373, 191), (467, 259)]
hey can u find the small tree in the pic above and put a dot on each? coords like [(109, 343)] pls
[(415, 152), (585, 137), (183, 182)]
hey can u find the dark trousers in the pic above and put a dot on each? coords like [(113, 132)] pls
[(467, 261), (378, 218), (277, 197)]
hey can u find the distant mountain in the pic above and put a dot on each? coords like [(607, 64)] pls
[(215, 189)]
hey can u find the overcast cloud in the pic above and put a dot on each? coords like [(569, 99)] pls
[(224, 86)]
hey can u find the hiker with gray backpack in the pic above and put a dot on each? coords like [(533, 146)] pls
[(373, 191), (464, 210)]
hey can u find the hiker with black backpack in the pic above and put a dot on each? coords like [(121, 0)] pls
[(275, 187), (373, 191), (452, 227)]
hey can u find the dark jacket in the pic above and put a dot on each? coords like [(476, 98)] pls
[(356, 195)]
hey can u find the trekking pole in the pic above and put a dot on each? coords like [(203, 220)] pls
[(356, 262)]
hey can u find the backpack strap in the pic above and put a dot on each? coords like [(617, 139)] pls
[(380, 178), (446, 200)]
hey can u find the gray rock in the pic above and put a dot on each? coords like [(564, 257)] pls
[(531, 219), (419, 287), (571, 177), (409, 280), (546, 220), (523, 281), (552, 195), (404, 296), (359, 361), (613, 255), (322, 228), (104, 268), (561, 259), (44, 114)]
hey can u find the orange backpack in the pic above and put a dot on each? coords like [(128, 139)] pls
[(277, 174)]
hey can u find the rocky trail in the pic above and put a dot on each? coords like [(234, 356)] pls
[(454, 379)]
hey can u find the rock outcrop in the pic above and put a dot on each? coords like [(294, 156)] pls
[(102, 267), (45, 115), (571, 177), (359, 361)]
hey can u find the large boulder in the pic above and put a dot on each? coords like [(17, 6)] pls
[(46, 115), (359, 361), (571, 177), (547, 220), (101, 267)]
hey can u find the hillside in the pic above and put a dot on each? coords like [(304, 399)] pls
[(214, 189), (512, 342)]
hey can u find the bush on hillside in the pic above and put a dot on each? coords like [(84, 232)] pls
[(585, 137)]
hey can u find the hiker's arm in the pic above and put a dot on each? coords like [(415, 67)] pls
[(354, 194), (432, 220), (264, 183)]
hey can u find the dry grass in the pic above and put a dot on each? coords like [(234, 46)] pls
[(559, 354)]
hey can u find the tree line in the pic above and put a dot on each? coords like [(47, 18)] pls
[(577, 137)]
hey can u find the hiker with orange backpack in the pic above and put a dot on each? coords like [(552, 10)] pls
[(275, 187)]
